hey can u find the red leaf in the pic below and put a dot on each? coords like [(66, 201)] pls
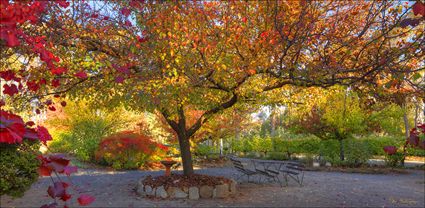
[(33, 86), (58, 163), (414, 138), (58, 70), (44, 171), (30, 134), (419, 8), (66, 197), (119, 79), (85, 199), (2, 103), (56, 83), (37, 111), (81, 74), (42, 82), (63, 103), (43, 134), (63, 4), (10, 38), (10, 90), (57, 190), (128, 23), (142, 40), (30, 123), (68, 170), (52, 108), (390, 150), (7, 75), (125, 11), (12, 128)]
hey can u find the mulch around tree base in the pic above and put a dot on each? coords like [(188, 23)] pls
[(179, 180)]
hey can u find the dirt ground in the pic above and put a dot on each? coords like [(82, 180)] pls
[(321, 189)]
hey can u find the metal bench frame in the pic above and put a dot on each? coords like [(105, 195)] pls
[(237, 164), (294, 170)]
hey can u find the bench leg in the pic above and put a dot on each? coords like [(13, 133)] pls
[(302, 179)]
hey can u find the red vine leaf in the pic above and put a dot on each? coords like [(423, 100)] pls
[(85, 199), (57, 190), (12, 128), (43, 134)]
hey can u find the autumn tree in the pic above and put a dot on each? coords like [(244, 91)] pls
[(176, 57), (339, 116)]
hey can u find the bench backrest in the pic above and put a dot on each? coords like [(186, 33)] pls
[(295, 166)]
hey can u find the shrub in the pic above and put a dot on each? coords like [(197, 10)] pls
[(18, 168), (81, 127), (277, 156), (377, 143), (393, 157), (262, 145), (128, 150), (204, 150), (83, 138), (358, 153)]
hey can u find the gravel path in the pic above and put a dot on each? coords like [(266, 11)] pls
[(321, 189)]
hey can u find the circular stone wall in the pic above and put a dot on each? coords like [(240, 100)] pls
[(176, 190)]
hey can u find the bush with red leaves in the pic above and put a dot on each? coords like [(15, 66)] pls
[(417, 137), (416, 140), (129, 150)]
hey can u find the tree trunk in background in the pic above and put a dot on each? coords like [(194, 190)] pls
[(416, 114), (406, 123), (221, 147), (341, 150), (406, 129)]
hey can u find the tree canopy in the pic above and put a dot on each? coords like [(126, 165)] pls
[(174, 57)]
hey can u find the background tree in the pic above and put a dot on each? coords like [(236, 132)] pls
[(338, 117)]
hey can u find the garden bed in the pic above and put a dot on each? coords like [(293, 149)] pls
[(194, 186), (364, 170)]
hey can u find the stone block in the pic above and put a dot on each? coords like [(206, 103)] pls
[(194, 193), (177, 193), (161, 193), (221, 191), (206, 191), (232, 186)]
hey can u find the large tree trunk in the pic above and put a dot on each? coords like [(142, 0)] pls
[(185, 154), (184, 134)]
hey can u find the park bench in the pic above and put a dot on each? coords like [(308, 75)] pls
[(295, 170), (237, 164), (266, 171)]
